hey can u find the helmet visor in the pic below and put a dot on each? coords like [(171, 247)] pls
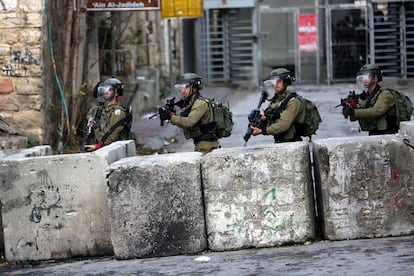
[(179, 88), (269, 84), (105, 91), (363, 80)]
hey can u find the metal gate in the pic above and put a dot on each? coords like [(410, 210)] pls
[(224, 47), (347, 41), (278, 41), (393, 37)]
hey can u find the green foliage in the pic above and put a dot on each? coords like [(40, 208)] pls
[(133, 38), (32, 142)]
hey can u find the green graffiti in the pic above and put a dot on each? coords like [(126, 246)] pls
[(272, 192), (238, 226)]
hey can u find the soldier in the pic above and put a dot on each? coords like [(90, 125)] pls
[(278, 121), (195, 115), (376, 110), (112, 120)]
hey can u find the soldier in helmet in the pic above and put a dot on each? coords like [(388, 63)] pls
[(277, 122), (195, 114), (111, 119), (377, 105)]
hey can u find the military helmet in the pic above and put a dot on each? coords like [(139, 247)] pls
[(371, 69), (190, 79), (283, 74), (116, 84)]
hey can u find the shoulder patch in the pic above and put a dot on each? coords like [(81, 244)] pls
[(118, 112)]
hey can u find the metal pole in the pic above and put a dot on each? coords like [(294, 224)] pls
[(318, 57), (170, 57)]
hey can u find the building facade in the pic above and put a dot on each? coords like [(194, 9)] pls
[(322, 41)]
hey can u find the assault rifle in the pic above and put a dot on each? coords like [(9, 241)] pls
[(352, 100), (169, 106), (254, 117), (91, 124)]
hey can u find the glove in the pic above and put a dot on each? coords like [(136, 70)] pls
[(164, 114), (363, 96), (348, 111)]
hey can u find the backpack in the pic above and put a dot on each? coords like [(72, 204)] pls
[(308, 122), (404, 106), (222, 115)]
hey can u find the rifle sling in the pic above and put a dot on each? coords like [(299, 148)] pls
[(115, 126)]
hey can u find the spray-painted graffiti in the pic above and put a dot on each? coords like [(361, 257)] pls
[(19, 63), (45, 198), (394, 175), (400, 194), (26, 58), (269, 218)]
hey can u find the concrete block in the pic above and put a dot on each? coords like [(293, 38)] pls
[(30, 152), (13, 142), (407, 129), (55, 206), (364, 187), (258, 196), (156, 206)]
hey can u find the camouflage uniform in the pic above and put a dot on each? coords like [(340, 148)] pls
[(109, 116), (377, 114), (198, 115), (283, 129)]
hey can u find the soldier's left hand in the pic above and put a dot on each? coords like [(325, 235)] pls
[(164, 114), (348, 111), (256, 130)]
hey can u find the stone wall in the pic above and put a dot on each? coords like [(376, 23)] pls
[(21, 100)]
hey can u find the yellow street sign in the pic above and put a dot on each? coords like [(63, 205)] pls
[(181, 8)]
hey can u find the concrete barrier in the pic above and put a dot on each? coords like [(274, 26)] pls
[(55, 206), (29, 152), (365, 187), (13, 142), (258, 196), (407, 129), (16, 154), (156, 206)]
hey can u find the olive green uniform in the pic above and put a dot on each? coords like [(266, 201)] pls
[(198, 116), (283, 128), (377, 114), (109, 116)]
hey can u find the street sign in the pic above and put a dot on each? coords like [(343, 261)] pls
[(181, 8), (308, 32), (122, 5)]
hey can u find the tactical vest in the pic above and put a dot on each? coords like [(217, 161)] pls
[(103, 124), (273, 114), (198, 130), (381, 123)]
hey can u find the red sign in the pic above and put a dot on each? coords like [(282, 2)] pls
[(122, 5), (308, 33)]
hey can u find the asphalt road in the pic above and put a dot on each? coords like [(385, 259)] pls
[(384, 256)]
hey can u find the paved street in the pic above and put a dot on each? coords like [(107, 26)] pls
[(385, 256)]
